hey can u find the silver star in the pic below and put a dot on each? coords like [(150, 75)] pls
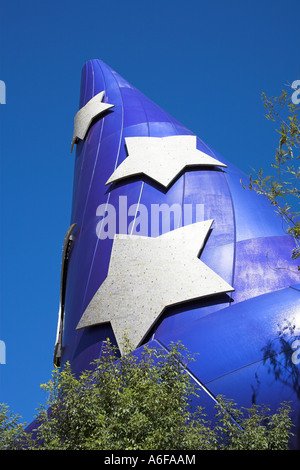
[(161, 158), (148, 274), (85, 116)]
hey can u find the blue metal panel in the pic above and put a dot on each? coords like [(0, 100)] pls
[(210, 189), (239, 335), (263, 265)]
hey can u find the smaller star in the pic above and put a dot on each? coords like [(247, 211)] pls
[(84, 117), (161, 158)]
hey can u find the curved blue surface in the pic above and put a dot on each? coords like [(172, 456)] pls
[(235, 335)]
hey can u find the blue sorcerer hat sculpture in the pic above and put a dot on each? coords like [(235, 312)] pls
[(165, 244)]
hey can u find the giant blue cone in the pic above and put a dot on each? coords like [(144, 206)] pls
[(246, 350)]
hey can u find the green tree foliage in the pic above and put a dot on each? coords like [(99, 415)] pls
[(12, 431), (282, 187), (145, 404)]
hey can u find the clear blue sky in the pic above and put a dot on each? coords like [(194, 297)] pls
[(206, 63)]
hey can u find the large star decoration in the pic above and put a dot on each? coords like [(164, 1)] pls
[(161, 158), (84, 117), (148, 274)]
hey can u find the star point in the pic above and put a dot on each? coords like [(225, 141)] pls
[(84, 117)]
